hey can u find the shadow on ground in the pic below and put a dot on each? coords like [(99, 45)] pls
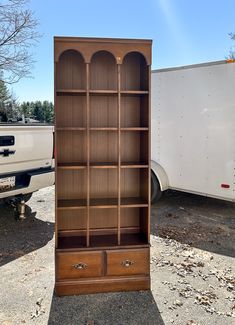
[(110, 308), (202, 222), (21, 237)]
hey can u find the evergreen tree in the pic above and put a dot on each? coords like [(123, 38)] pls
[(8, 104)]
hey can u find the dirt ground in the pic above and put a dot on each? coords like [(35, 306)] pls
[(192, 268)]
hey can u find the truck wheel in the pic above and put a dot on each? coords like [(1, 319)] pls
[(155, 188)]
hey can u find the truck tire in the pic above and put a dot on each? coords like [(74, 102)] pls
[(155, 188)]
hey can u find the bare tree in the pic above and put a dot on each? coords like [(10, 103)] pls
[(18, 32), (232, 50)]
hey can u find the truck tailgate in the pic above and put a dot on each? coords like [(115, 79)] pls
[(25, 147)]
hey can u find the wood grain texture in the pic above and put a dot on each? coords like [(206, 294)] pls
[(67, 143), (79, 265), (103, 71), (72, 219), (88, 46), (71, 67), (102, 285), (128, 262), (103, 146), (134, 72), (71, 184), (103, 184), (104, 111), (71, 111)]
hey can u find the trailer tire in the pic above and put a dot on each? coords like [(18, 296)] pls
[(156, 192)]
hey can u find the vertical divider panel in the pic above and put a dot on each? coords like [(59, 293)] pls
[(149, 151), (119, 154), (55, 142), (88, 153)]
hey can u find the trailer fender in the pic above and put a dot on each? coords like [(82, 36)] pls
[(160, 174)]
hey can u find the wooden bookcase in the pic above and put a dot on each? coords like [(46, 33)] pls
[(102, 106)]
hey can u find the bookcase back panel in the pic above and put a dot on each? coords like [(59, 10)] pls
[(71, 71), (130, 111), (71, 111), (72, 184), (134, 72), (144, 188), (71, 146), (134, 111), (134, 183), (130, 217), (144, 111), (103, 183), (144, 223), (103, 111), (103, 71), (103, 146), (72, 219), (103, 218), (130, 183), (137, 141)]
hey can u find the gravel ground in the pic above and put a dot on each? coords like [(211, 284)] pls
[(192, 268)]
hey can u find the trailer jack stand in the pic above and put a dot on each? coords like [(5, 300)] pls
[(21, 210)]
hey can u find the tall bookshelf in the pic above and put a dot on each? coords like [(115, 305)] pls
[(102, 130)]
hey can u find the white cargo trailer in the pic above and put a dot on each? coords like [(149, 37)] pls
[(193, 130)]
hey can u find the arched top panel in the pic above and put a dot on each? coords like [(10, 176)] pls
[(104, 52), (134, 72), (103, 71), (71, 70), (70, 52), (135, 54)]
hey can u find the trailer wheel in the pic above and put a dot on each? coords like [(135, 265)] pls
[(155, 188)]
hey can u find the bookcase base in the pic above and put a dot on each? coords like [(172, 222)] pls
[(86, 286)]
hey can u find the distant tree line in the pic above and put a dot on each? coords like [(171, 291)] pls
[(42, 111), (12, 111)]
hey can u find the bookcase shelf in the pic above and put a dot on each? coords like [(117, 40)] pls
[(134, 92), (102, 92), (102, 132), (103, 129), (71, 165), (135, 129), (70, 128), (71, 204), (71, 92)]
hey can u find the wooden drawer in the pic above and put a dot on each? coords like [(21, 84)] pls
[(79, 265), (128, 262)]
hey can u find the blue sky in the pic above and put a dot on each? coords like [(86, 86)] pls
[(183, 32)]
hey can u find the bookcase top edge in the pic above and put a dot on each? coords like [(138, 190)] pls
[(100, 39)]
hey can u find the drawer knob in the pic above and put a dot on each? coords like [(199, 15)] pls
[(127, 263), (80, 266)]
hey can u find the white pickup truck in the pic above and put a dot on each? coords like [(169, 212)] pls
[(26, 160)]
